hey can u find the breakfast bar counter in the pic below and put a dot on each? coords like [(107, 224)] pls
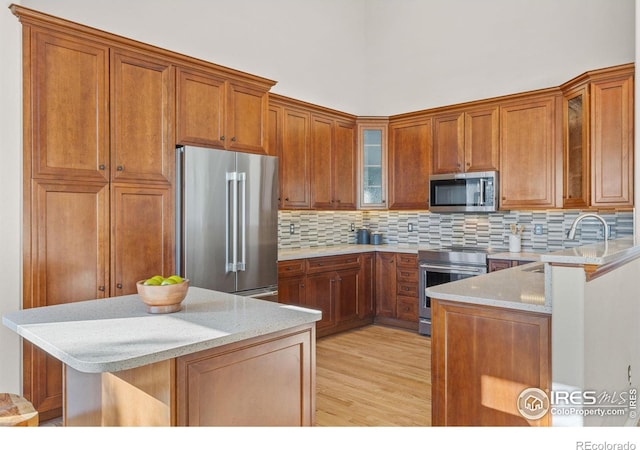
[(221, 360)]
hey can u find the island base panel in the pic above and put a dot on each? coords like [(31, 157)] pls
[(256, 383), (263, 381)]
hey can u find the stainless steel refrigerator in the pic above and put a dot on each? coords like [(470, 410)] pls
[(227, 218)]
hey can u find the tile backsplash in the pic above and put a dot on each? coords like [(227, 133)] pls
[(322, 228)]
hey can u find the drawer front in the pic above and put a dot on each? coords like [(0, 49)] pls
[(407, 260), (408, 289), (404, 275), (324, 264), (407, 308), (291, 268)]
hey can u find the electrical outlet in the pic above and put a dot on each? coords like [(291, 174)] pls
[(537, 229), (409, 227), (352, 227), (292, 228)]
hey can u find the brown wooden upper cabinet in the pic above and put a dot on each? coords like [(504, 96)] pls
[(598, 139), (295, 160), (333, 163), (218, 112), (70, 87), (466, 141), (612, 141), (142, 96), (576, 155), (530, 153), (409, 163)]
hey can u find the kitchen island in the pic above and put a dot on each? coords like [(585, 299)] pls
[(222, 360), (497, 335)]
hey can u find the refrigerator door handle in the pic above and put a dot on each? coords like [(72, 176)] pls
[(242, 181), (232, 222)]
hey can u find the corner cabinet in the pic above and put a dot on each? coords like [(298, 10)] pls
[(531, 153), (409, 162), (372, 163)]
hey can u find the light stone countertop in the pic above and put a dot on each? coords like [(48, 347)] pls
[(521, 287), (345, 249), (117, 333), (599, 253)]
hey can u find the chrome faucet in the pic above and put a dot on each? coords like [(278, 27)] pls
[(572, 231)]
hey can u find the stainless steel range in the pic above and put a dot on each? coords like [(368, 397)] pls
[(444, 265)]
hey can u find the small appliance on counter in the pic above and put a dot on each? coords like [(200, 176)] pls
[(376, 238), (362, 236)]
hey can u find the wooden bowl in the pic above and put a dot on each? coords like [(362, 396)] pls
[(163, 299)]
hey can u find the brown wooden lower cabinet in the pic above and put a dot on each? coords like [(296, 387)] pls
[(263, 381), (340, 286), (397, 289), (482, 359)]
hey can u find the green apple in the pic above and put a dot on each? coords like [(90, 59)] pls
[(168, 281), (152, 282), (176, 278)]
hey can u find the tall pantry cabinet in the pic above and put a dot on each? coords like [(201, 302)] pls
[(98, 171)]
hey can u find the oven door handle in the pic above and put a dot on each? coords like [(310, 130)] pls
[(463, 270)]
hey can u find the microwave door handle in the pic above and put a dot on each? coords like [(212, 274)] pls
[(481, 198)]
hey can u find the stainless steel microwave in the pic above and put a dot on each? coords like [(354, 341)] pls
[(464, 192)]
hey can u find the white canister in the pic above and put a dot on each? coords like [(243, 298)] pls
[(515, 243)]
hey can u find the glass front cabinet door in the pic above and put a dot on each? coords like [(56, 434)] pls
[(372, 167), (576, 147)]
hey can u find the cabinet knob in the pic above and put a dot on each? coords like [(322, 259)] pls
[(287, 199), (102, 167), (233, 139), (468, 164), (222, 138), (120, 168), (119, 285), (101, 288)]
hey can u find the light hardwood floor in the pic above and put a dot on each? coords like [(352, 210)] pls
[(373, 376)]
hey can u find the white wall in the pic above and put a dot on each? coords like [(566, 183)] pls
[(366, 57), (313, 48), (10, 187), (426, 53)]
